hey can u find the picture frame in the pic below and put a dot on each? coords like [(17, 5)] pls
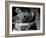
[(9, 5)]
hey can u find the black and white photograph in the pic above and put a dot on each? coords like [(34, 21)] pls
[(25, 18)]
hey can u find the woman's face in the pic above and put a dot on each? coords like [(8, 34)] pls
[(18, 10)]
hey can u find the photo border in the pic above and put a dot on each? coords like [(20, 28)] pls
[(7, 3)]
